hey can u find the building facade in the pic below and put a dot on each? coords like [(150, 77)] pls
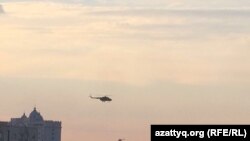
[(32, 128)]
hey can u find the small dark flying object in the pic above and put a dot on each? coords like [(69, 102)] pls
[(102, 98)]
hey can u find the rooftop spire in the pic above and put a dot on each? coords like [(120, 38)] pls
[(24, 116)]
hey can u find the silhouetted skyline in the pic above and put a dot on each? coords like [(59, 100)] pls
[(161, 62)]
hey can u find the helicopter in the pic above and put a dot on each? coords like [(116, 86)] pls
[(102, 98)]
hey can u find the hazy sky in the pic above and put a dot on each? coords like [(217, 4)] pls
[(165, 62)]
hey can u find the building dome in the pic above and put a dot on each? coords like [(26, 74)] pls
[(35, 117)]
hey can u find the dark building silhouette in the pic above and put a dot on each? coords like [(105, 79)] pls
[(32, 128)]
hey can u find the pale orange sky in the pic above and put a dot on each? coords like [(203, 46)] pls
[(165, 65)]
